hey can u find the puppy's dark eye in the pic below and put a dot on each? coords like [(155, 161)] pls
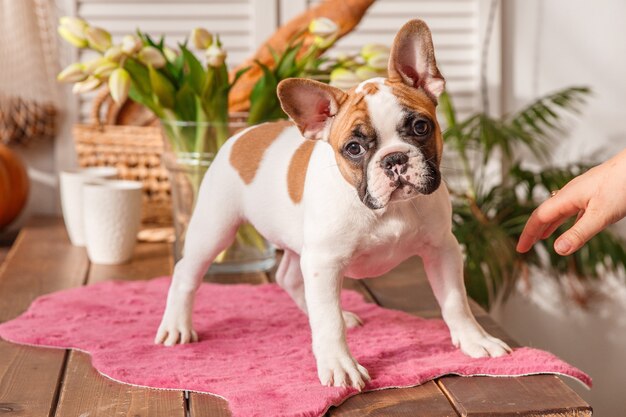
[(421, 127), (354, 149)]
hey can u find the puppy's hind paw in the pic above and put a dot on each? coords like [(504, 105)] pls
[(351, 320)]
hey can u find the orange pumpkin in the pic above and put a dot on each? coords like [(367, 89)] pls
[(14, 185)]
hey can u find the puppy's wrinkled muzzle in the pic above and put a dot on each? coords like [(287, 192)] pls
[(398, 181)]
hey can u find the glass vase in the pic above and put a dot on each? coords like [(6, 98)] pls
[(189, 151)]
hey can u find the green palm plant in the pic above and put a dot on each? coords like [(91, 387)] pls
[(489, 217)]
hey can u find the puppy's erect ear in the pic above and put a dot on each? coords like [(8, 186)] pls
[(310, 104), (412, 59)]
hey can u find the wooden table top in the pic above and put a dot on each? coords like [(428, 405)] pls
[(52, 382)]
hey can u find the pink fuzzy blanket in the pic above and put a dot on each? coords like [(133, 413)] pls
[(254, 347)]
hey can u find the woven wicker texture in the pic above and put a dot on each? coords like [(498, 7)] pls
[(24, 121), (135, 151)]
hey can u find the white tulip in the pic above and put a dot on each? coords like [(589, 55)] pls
[(72, 73), (131, 44), (201, 38), (215, 56), (114, 54), (99, 39), (149, 55), (119, 85), (91, 83)]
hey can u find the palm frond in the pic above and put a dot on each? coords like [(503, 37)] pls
[(542, 117), (489, 218)]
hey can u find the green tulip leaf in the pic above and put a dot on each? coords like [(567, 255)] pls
[(238, 75), (263, 99), (177, 68), (274, 54), (185, 106), (162, 88), (139, 75), (196, 75), (287, 65), (145, 100), (148, 40)]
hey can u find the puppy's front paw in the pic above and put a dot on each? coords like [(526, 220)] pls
[(478, 344), (175, 328), (351, 320), (341, 371)]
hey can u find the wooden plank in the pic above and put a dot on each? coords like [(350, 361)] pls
[(478, 396), (538, 395), (150, 260), (40, 261), (204, 405), (84, 390), (87, 393), (424, 401), (28, 379)]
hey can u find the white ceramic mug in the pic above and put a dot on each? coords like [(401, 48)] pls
[(71, 183), (112, 216)]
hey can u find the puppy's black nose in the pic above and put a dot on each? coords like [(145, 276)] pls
[(393, 159)]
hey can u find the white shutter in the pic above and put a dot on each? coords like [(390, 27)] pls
[(241, 24), (457, 27)]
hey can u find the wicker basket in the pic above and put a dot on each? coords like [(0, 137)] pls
[(136, 152), (25, 121)]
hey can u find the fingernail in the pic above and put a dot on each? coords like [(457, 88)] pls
[(562, 246)]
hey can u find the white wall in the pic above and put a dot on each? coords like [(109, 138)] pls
[(550, 44)]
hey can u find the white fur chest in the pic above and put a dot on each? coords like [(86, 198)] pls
[(386, 242)]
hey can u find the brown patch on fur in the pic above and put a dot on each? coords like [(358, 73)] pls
[(248, 150), (419, 101), (296, 175)]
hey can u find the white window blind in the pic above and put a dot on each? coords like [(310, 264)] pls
[(457, 27)]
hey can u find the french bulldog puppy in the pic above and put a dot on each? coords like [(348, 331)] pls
[(352, 189)]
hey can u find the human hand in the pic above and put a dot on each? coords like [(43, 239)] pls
[(598, 197)]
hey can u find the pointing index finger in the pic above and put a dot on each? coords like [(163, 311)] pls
[(553, 210)]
